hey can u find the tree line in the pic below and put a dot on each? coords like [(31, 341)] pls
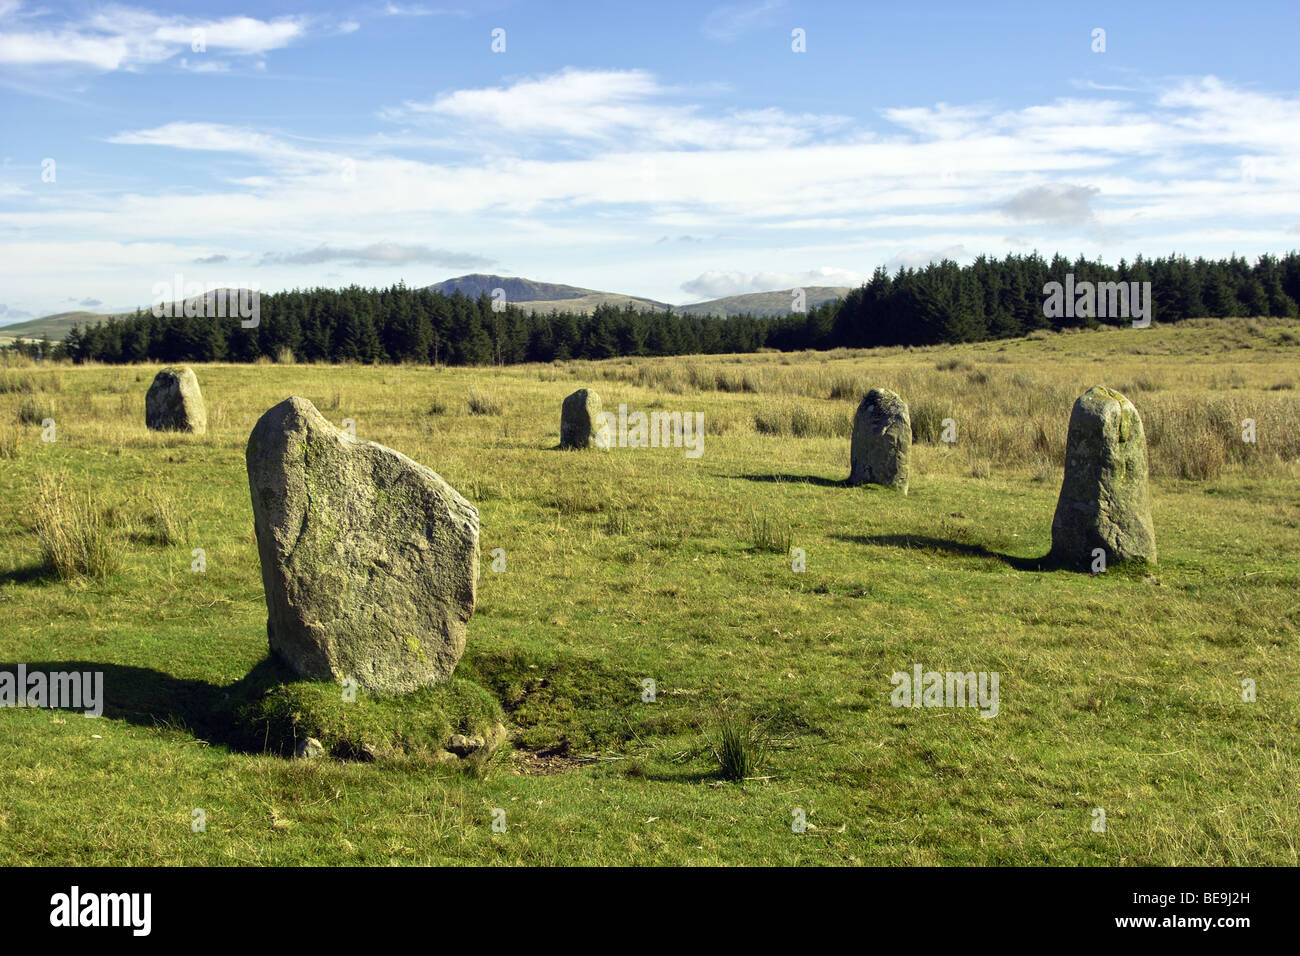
[(942, 302)]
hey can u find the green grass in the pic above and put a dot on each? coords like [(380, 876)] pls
[(1121, 691)]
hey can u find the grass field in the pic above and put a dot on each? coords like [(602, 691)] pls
[(1122, 691)]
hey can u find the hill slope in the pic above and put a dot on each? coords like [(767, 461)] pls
[(764, 304), (542, 296), (548, 296), (54, 327)]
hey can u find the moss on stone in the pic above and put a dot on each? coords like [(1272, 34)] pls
[(270, 712)]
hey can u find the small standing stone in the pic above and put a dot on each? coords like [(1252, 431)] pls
[(174, 403), (309, 748), (580, 421), (881, 449), (1105, 502)]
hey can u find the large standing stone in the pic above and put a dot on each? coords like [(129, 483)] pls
[(174, 403), (1104, 499), (580, 422), (369, 559), (881, 450)]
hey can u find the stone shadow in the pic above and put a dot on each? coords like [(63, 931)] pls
[(920, 542), (818, 480), (151, 698), (26, 575)]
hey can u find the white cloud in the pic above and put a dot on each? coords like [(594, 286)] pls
[(918, 258), (1059, 203), (205, 66), (578, 173), (629, 107), (716, 285), (729, 22), (120, 37), (381, 253), (419, 10), (239, 35), (9, 316), (1022, 166)]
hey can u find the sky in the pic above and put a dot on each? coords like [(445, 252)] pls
[(673, 150)]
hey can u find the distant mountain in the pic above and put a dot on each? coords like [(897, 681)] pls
[(540, 296), (547, 296), (764, 304), (543, 296), (54, 327)]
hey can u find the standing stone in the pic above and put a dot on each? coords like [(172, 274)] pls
[(369, 559), (1104, 499), (881, 450), (580, 423), (309, 748), (174, 403)]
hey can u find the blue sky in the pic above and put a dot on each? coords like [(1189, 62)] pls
[(679, 151)]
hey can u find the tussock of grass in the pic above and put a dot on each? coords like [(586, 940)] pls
[(769, 534), (577, 500), (741, 747), (1140, 384), (847, 387), (927, 420), (75, 536), (34, 411), (745, 381), (798, 420), (483, 403), (618, 522), (163, 521), (10, 443), (1199, 441), (13, 382)]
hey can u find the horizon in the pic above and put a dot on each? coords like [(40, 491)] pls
[(680, 155), (168, 302), (432, 285)]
